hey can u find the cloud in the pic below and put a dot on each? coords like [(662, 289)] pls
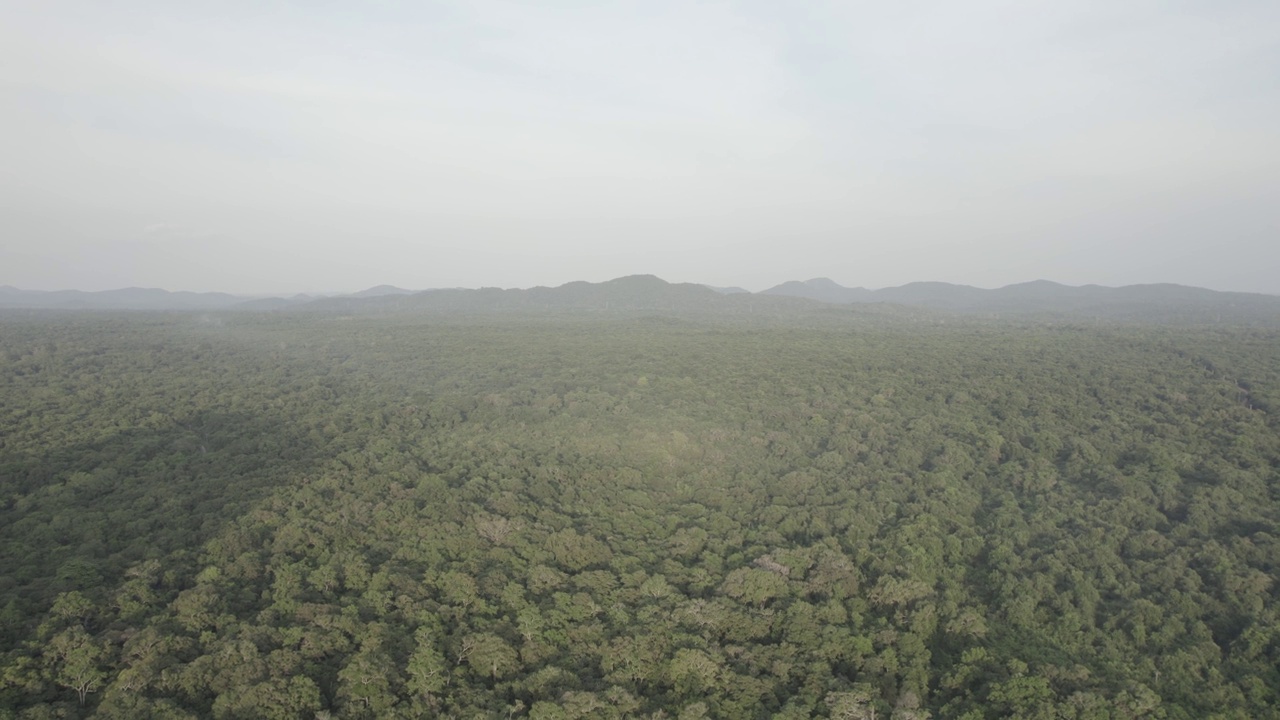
[(796, 139)]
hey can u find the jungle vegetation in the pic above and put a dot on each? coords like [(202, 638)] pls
[(315, 515)]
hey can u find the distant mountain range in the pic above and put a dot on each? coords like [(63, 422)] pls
[(1045, 298), (631, 293), (649, 294)]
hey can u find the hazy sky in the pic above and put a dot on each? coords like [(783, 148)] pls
[(325, 146)]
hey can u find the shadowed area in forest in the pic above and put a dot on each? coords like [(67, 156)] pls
[(77, 516)]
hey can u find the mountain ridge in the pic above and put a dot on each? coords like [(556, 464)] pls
[(648, 294), (1165, 302)]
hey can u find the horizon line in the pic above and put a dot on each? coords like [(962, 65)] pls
[(338, 293)]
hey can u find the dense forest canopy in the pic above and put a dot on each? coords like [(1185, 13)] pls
[(636, 516)]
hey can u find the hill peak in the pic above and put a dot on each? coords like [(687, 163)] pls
[(638, 280), (381, 290)]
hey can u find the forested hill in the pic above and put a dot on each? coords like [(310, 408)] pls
[(632, 293), (292, 515)]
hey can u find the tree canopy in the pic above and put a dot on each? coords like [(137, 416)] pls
[(263, 516)]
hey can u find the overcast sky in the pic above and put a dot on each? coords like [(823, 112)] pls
[(323, 146)]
